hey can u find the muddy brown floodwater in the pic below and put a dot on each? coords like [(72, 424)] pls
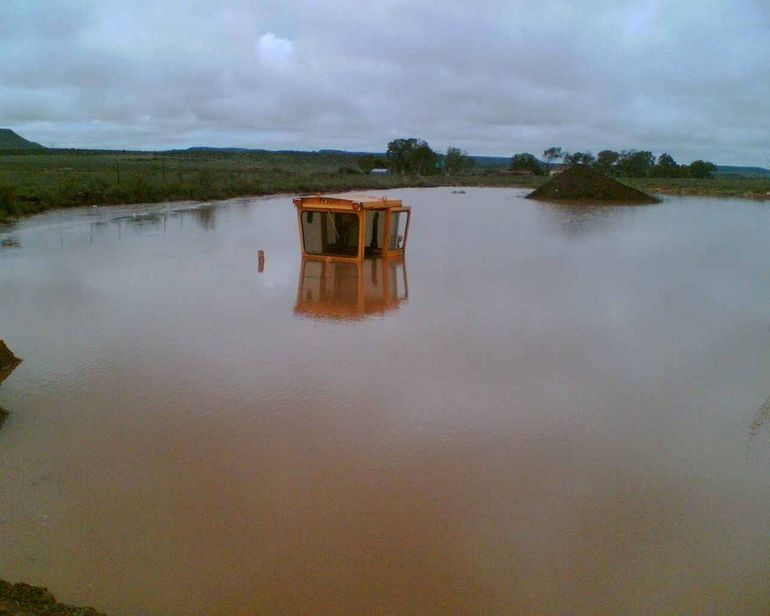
[(545, 409)]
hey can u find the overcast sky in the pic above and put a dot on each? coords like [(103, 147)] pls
[(689, 77)]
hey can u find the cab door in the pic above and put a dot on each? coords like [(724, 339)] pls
[(398, 230)]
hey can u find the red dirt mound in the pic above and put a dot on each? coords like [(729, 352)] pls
[(581, 183)]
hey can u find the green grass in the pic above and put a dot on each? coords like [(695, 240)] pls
[(39, 180), (746, 187), (34, 182)]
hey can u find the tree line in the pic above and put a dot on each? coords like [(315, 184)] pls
[(628, 163), (412, 156)]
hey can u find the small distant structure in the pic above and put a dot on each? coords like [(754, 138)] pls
[(580, 183), (557, 168), (380, 171)]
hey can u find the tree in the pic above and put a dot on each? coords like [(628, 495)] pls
[(550, 155), (368, 162), (457, 160), (702, 169), (634, 164), (424, 160), (411, 156), (398, 155), (666, 167), (606, 160), (666, 161), (526, 162), (579, 158)]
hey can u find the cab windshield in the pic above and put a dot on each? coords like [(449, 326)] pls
[(330, 233)]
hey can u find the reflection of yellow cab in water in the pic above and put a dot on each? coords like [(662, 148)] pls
[(351, 289), (351, 227)]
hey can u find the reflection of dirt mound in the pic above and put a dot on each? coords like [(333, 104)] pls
[(8, 361), (26, 600), (581, 183), (763, 416)]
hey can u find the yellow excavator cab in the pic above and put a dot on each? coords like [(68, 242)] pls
[(351, 227)]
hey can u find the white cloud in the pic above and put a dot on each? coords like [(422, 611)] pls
[(274, 51)]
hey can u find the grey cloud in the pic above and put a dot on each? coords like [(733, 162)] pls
[(493, 77)]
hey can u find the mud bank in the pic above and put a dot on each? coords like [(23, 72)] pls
[(583, 184), (8, 361), (25, 600)]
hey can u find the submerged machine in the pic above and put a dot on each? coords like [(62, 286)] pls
[(352, 227)]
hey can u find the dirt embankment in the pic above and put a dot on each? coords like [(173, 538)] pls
[(580, 183), (8, 361), (25, 600)]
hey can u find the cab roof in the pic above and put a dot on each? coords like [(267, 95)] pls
[(348, 200)]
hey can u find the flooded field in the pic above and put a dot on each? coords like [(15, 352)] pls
[(544, 409)]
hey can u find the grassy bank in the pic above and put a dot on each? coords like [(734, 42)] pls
[(37, 181), (33, 182), (743, 187)]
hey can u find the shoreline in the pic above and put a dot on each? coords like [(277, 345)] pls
[(734, 188), (414, 182)]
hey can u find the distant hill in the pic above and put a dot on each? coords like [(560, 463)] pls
[(203, 148), (350, 153), (481, 161), (748, 172), (9, 140)]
